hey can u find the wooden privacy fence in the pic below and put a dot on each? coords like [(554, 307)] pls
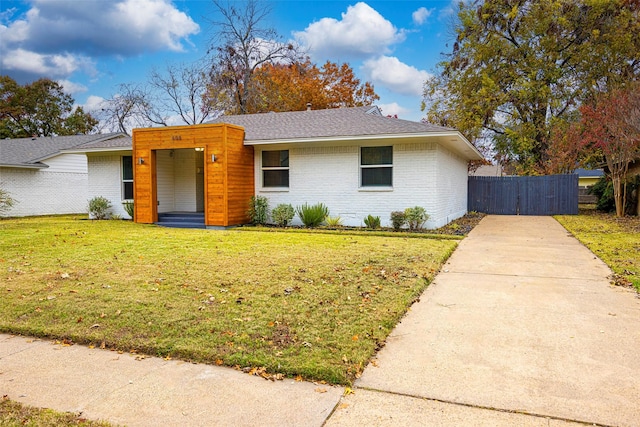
[(524, 195)]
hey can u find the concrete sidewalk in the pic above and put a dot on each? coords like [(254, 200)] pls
[(521, 320), (520, 328)]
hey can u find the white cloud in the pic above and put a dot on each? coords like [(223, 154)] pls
[(57, 38), (94, 103), (393, 109), (361, 32), (421, 15), (396, 76), (72, 87)]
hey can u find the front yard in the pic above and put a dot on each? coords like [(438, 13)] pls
[(306, 305), (614, 240)]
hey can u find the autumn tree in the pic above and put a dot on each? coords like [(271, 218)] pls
[(40, 108), (289, 87), (519, 69), (243, 43), (611, 126)]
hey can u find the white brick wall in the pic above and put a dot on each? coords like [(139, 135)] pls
[(105, 179), (331, 175), (43, 192)]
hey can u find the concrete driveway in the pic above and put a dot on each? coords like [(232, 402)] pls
[(520, 328)]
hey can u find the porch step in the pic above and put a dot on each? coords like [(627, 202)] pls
[(181, 219)]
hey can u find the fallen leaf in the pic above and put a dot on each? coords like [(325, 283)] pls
[(95, 325), (321, 390), (298, 378), (343, 406), (219, 362), (354, 338), (348, 391)]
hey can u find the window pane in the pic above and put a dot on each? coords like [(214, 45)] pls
[(373, 177), (278, 178), (127, 167), (128, 190), (275, 159), (376, 155)]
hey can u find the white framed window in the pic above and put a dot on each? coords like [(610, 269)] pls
[(275, 169), (376, 166), (127, 177)]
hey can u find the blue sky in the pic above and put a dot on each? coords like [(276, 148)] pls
[(91, 46)]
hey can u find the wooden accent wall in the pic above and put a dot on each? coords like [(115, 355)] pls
[(229, 180)]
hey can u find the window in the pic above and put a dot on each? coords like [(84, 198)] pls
[(376, 166), (275, 168), (127, 177)]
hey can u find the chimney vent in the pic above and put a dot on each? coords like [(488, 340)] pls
[(308, 106)]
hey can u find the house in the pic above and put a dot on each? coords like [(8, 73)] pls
[(588, 177), (354, 160), (42, 178)]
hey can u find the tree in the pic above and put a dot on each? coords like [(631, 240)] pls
[(520, 68), (126, 109), (290, 87), (177, 94), (241, 45), (181, 91), (611, 126), (6, 201), (40, 108)]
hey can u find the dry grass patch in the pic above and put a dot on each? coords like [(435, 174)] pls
[(315, 305), (16, 414), (615, 240)]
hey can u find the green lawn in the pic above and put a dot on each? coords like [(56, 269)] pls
[(615, 240), (314, 305)]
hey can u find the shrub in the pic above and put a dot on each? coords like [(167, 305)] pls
[(99, 207), (334, 221), (415, 217), (312, 216), (398, 220), (6, 201), (258, 210), (283, 214), (128, 207), (372, 221)]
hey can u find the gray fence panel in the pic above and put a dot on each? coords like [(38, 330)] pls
[(524, 195)]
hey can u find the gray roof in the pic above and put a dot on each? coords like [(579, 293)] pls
[(337, 122), (29, 152)]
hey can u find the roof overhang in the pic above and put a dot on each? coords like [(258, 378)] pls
[(108, 150), (24, 166), (453, 141)]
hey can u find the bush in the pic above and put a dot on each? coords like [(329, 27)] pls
[(128, 207), (603, 190), (99, 207), (6, 201), (334, 221), (282, 214), (372, 221), (312, 216), (415, 217), (398, 220), (258, 210)]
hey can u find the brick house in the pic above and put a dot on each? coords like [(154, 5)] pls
[(42, 178), (354, 160)]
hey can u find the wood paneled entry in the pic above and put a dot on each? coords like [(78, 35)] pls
[(228, 170)]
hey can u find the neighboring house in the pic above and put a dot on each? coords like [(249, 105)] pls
[(42, 178), (354, 160), (487, 170), (588, 177)]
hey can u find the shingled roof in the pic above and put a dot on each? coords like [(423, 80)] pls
[(30, 152), (337, 122)]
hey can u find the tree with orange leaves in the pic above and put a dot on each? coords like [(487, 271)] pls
[(290, 87), (611, 126)]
